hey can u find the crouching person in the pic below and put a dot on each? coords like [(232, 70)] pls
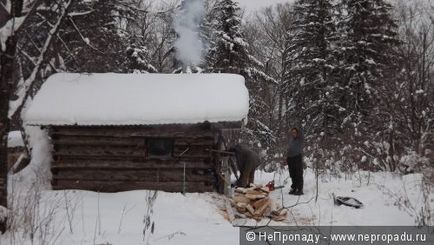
[(246, 162)]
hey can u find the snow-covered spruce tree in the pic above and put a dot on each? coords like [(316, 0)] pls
[(229, 53), (310, 66), (138, 21), (267, 35), (407, 105), (368, 38), (366, 45), (96, 40)]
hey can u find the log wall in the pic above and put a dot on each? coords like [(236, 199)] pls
[(3, 187), (111, 159)]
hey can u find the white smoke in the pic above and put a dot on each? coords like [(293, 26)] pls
[(189, 46)]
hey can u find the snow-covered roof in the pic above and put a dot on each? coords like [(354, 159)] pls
[(15, 139), (138, 99)]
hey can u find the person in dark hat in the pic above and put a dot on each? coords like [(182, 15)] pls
[(294, 160)]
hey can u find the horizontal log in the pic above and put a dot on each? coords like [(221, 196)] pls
[(67, 140), (150, 175), (131, 151), (97, 141), (117, 186), (59, 157), (190, 149), (134, 135), (124, 164), (100, 150), (225, 126), (204, 141), (160, 131), (78, 157)]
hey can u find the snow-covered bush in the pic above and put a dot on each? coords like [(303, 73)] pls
[(414, 162)]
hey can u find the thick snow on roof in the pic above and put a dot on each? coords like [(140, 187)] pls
[(15, 139), (138, 99)]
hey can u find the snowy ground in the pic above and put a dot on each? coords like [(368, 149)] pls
[(81, 217)]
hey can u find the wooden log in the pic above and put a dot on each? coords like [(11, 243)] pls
[(125, 164), (206, 141), (100, 150), (191, 156), (279, 215), (241, 190), (60, 156), (250, 209), (254, 197), (121, 131), (79, 157), (259, 203), (225, 127), (97, 141), (156, 175), (241, 205), (229, 211), (126, 141), (197, 149), (241, 199), (261, 209), (116, 186), (254, 192), (241, 210)]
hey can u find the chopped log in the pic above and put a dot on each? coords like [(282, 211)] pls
[(250, 209), (241, 199), (259, 203), (254, 197), (261, 210), (229, 211), (255, 186), (253, 202), (254, 192), (242, 205), (240, 215), (241, 190), (279, 215)]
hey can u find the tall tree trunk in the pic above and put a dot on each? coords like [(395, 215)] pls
[(6, 79), (7, 62)]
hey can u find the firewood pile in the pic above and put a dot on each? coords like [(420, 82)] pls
[(254, 202)]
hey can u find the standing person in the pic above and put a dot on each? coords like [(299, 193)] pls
[(295, 161)]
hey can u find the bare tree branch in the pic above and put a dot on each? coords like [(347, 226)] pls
[(23, 92)]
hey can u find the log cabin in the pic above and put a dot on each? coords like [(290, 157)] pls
[(119, 132)]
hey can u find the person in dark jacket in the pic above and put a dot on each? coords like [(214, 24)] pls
[(247, 162), (295, 161)]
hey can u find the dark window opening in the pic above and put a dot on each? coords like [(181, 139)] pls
[(159, 147)]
